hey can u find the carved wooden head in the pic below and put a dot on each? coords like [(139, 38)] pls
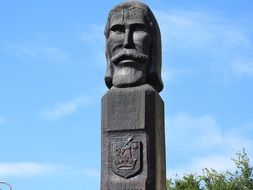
[(133, 47)]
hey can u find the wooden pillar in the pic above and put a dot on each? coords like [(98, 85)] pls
[(133, 142)]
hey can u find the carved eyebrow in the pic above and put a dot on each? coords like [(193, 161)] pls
[(139, 26)]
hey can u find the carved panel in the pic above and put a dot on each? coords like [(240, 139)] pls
[(126, 157)]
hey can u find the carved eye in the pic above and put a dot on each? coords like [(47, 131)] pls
[(118, 29)]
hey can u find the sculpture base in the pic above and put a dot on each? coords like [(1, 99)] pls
[(133, 142)]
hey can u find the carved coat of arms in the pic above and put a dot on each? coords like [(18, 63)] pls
[(126, 158)]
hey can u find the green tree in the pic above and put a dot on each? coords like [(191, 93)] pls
[(189, 182), (241, 179)]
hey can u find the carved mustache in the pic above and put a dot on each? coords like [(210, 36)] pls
[(124, 55)]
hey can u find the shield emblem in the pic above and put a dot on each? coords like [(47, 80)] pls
[(126, 157)]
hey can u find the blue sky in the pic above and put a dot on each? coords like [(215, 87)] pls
[(51, 77)]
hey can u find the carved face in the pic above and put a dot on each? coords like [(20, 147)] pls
[(128, 46)]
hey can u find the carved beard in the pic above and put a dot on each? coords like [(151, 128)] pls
[(125, 76)]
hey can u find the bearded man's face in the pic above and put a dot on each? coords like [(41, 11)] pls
[(128, 46)]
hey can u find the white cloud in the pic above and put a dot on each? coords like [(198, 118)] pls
[(85, 172), (204, 128), (25, 169), (200, 142), (171, 74), (207, 39), (218, 162), (93, 38), (94, 35), (2, 120), (243, 68), (90, 172), (31, 169), (31, 51), (198, 30), (59, 110)]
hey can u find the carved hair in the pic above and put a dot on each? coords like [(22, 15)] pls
[(153, 75)]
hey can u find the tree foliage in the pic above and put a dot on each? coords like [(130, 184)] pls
[(241, 179)]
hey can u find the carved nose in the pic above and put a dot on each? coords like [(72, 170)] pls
[(128, 41)]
